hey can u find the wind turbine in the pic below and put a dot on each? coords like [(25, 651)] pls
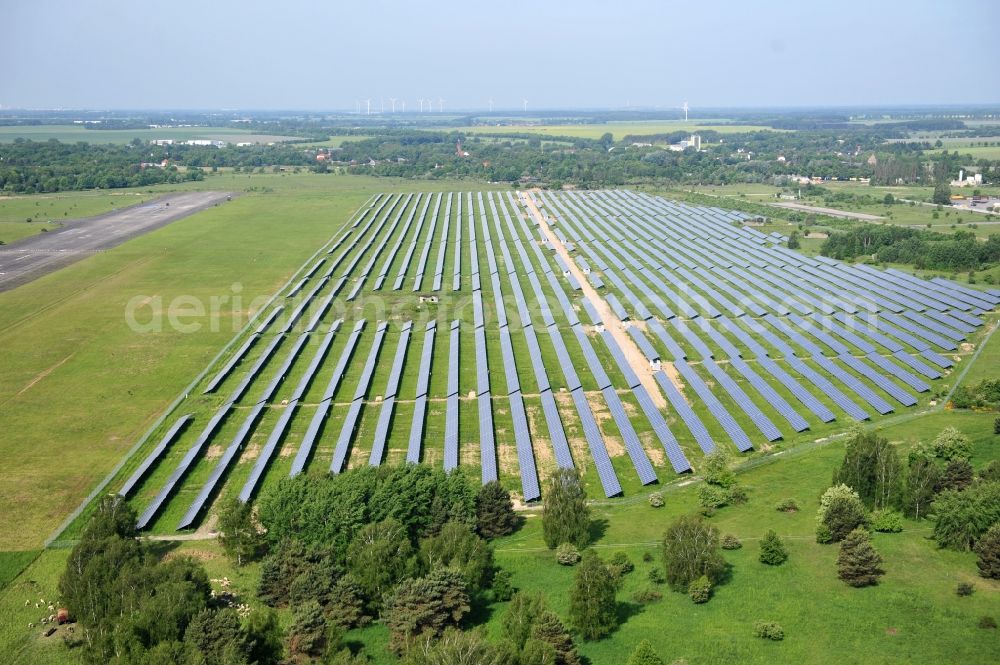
[(357, 107), (525, 105), (404, 105), (392, 100), (491, 105), (440, 105), (685, 107), (421, 100), (369, 103)]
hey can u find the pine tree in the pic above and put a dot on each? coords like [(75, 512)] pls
[(988, 549), (592, 608), (494, 511), (550, 630), (565, 515), (858, 563), (772, 550), (644, 655), (307, 636)]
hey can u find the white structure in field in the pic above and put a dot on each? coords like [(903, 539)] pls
[(693, 142), (970, 181)]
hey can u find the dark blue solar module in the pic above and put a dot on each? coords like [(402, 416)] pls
[(233, 361), (761, 421), (865, 370), (937, 359), (389, 397), (916, 365), (892, 368), (818, 408), (827, 388), (155, 455), (770, 395), (715, 407), (354, 411), (690, 418), (673, 348)]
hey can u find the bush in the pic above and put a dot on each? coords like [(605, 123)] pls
[(823, 535), (987, 622), (843, 515), (731, 542), (772, 550), (647, 556), (887, 521), (964, 589), (768, 630), (644, 655), (656, 500), (951, 444), (700, 590), (786, 506), (620, 564), (503, 585), (647, 596), (717, 471), (711, 497), (656, 576), (567, 555), (988, 549)]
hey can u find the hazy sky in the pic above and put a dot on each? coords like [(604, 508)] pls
[(247, 54)]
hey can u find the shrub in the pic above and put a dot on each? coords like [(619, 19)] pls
[(736, 495), (592, 607), (567, 554), (843, 515), (700, 590), (647, 596), (711, 497), (731, 542), (987, 622), (988, 549), (964, 589), (887, 521), (620, 564), (656, 500), (656, 576), (644, 654), (717, 471), (786, 506), (964, 517), (647, 556), (823, 535), (768, 630), (503, 585), (951, 444), (772, 550)]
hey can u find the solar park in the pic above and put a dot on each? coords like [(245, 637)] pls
[(510, 333)]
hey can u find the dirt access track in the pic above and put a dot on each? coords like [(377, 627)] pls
[(612, 324), (39, 255)]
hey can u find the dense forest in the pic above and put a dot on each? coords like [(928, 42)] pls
[(923, 249)]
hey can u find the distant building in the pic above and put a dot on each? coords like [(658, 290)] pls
[(872, 160), (693, 142), (162, 142), (206, 142)]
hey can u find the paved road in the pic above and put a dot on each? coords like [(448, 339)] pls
[(45, 253)]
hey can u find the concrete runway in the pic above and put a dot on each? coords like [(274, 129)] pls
[(31, 258)]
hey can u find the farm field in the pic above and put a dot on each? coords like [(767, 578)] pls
[(74, 133), (731, 365)]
